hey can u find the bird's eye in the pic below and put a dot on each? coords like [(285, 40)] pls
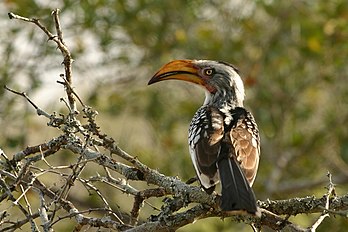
[(209, 72)]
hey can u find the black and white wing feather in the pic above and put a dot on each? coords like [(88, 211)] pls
[(205, 133)]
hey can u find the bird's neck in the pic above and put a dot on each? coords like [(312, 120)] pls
[(224, 101)]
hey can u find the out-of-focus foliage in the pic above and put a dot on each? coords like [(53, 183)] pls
[(293, 56)]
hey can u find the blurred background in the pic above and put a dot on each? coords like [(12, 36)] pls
[(292, 56)]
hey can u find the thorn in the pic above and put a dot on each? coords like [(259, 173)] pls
[(51, 38), (11, 15)]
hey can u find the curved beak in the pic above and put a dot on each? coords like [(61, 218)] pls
[(184, 70)]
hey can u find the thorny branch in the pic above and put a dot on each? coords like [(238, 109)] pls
[(58, 39), (28, 171)]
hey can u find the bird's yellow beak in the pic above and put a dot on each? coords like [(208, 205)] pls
[(184, 70)]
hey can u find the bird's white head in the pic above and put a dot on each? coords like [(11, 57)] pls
[(221, 81)]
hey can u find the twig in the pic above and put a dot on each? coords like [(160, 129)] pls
[(18, 224), (106, 203), (330, 192), (139, 199), (43, 214), (76, 170), (62, 47), (69, 207), (28, 215), (87, 211), (67, 85), (32, 20), (23, 94), (67, 59), (55, 14), (119, 183)]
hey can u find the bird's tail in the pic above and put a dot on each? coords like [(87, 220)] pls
[(236, 192)]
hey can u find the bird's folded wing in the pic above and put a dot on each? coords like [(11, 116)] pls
[(205, 134), (246, 142)]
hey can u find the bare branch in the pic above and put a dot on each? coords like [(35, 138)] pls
[(62, 47), (23, 94)]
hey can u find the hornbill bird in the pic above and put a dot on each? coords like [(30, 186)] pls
[(223, 139)]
